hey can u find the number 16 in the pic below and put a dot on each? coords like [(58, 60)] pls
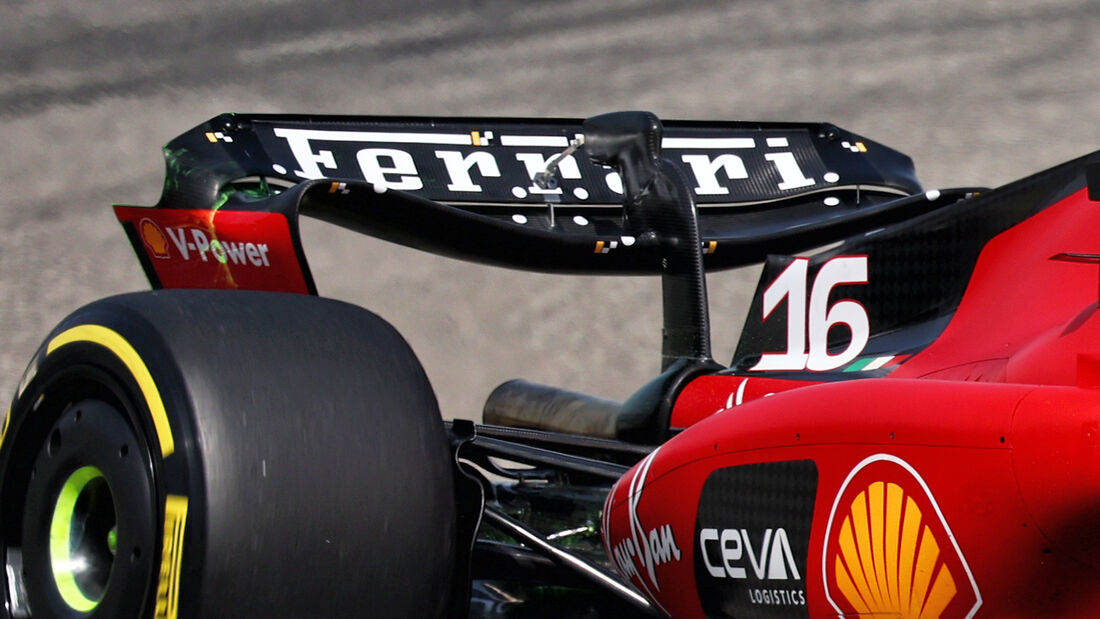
[(816, 320)]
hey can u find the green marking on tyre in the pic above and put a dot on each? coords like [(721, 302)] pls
[(63, 560)]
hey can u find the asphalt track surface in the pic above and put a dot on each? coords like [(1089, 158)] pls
[(978, 93)]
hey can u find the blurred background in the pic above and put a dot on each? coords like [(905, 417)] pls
[(978, 93)]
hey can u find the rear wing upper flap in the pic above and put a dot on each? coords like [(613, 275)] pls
[(463, 187)]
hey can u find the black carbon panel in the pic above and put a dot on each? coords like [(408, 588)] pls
[(918, 270), (752, 539)]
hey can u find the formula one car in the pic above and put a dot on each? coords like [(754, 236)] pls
[(910, 426)]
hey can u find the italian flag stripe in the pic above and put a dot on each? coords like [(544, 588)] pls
[(872, 363), (860, 365)]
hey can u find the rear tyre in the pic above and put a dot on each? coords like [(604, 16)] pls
[(216, 454)]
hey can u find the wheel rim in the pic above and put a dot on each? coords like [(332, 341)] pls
[(83, 538), (89, 542)]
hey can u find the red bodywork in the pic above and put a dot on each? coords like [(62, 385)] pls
[(965, 483), (227, 249)]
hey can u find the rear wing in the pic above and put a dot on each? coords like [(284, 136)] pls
[(466, 188), (621, 193)]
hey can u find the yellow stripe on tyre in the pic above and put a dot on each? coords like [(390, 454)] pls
[(168, 587), (4, 432), (111, 340)]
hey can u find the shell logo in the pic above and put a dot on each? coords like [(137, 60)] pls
[(889, 550), (154, 238)]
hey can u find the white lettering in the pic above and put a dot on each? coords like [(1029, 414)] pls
[(187, 240), (179, 241), (788, 169), (758, 564), (774, 562), (458, 168), (838, 271), (790, 285), (624, 559), (236, 252), (731, 553), (709, 535), (706, 172), (663, 544), (781, 558), (639, 554), (253, 254), (711, 171), (298, 140), (819, 318), (401, 164), (659, 547), (202, 243), (777, 597), (218, 251)]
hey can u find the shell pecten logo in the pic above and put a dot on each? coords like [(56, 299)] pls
[(889, 550), (154, 238)]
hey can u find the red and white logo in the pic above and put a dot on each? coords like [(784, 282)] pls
[(646, 546), (245, 250)]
